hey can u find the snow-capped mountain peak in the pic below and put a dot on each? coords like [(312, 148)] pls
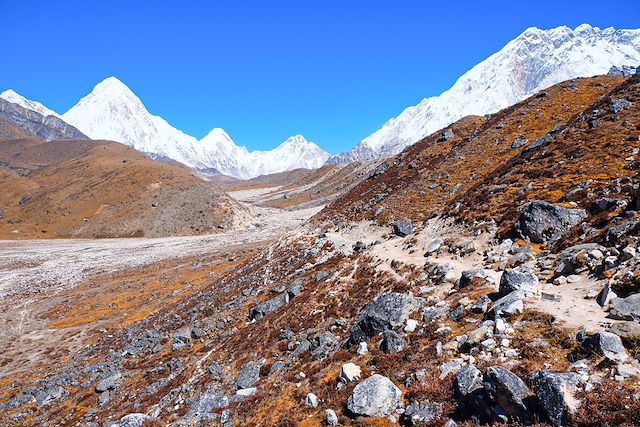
[(11, 96), (534, 60)]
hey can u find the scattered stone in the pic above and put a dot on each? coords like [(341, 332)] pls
[(411, 325), (108, 383), (519, 142), (261, 310), (433, 246), (451, 367), (521, 278), (605, 296), (542, 222), (446, 135), (392, 342), (468, 380), (481, 306), (362, 349), (359, 246), (617, 105), (349, 373), (422, 413), (379, 170), (246, 392), (311, 400), (402, 227), (332, 418), (249, 375), (476, 276), (133, 420), (376, 396), (323, 345), (387, 311)]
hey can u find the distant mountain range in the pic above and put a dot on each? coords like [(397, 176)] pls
[(113, 112), (531, 62)]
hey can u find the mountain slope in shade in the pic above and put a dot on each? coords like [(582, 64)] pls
[(533, 61), (11, 96)]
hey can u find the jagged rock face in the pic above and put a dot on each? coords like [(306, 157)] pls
[(531, 62), (48, 128)]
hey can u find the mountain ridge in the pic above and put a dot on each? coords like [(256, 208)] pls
[(531, 62)]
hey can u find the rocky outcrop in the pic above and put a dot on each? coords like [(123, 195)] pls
[(48, 128), (376, 396)]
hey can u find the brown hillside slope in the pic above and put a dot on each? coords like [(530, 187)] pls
[(474, 166), (103, 189)]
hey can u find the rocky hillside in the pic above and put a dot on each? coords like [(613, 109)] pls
[(43, 127), (486, 275), (104, 189)]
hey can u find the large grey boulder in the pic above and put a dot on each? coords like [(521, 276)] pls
[(509, 392), (207, 402), (479, 276), (133, 420), (387, 311), (555, 396), (521, 278), (249, 375), (468, 380), (542, 222), (261, 310), (626, 308), (402, 227), (323, 345), (615, 233), (376, 396)]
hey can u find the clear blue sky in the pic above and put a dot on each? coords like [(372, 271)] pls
[(263, 70)]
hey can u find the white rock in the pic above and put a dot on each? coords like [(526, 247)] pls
[(411, 325), (362, 349), (332, 418), (311, 400), (350, 372)]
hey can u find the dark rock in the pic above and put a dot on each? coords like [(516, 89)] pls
[(626, 308), (323, 345), (261, 310), (519, 142), (520, 278), (376, 396), (623, 71), (385, 312), (433, 313), (249, 375), (607, 204), (477, 276), (392, 342), (617, 105), (197, 333), (481, 305), (457, 313), (608, 344), (507, 305), (447, 135), (359, 246), (379, 170), (402, 227), (509, 392), (542, 222), (615, 233), (422, 413), (468, 380), (555, 396)]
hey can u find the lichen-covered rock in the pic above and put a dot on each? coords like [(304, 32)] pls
[(377, 396), (521, 278), (392, 342), (422, 413), (249, 375), (402, 227)]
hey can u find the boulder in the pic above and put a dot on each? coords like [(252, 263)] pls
[(422, 413), (542, 222), (379, 170), (376, 396), (521, 278), (108, 383), (349, 372), (509, 304), (555, 396), (626, 308), (210, 400), (249, 375), (629, 333), (402, 227), (508, 391), (359, 246), (446, 135), (133, 420), (387, 311), (615, 233), (48, 394), (468, 380), (392, 342), (261, 310), (481, 305), (476, 276), (323, 345), (609, 345), (433, 246)]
